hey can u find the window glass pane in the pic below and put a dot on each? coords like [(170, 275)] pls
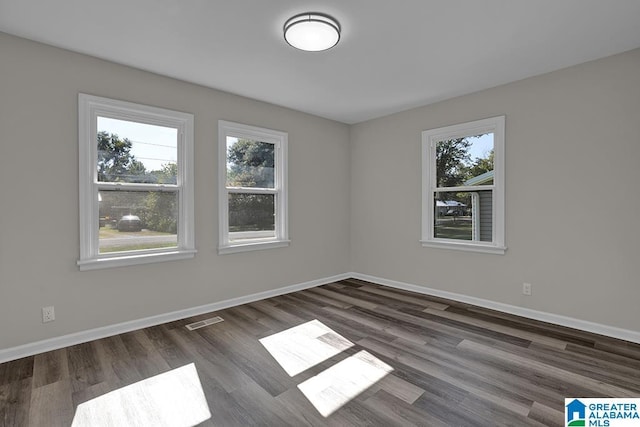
[(136, 152), (463, 215), (250, 163), (465, 161), (136, 220), (251, 216)]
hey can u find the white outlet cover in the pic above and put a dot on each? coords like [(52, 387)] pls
[(48, 314)]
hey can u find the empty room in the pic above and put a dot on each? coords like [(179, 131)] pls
[(319, 213)]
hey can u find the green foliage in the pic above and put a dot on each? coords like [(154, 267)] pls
[(167, 175), (251, 212), (454, 167), (250, 164), (116, 164), (248, 152), (159, 212), (136, 172), (451, 158), (114, 158), (480, 166)]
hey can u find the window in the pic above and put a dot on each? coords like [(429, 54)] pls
[(463, 186), (252, 188), (136, 183)]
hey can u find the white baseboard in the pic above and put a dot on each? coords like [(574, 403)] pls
[(610, 331), (30, 349)]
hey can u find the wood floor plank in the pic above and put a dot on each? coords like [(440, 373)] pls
[(251, 357), (302, 411), (469, 327), (447, 331), (174, 398), (51, 405), (625, 349), (496, 327), (322, 300), (167, 348), (598, 354), (552, 331), (429, 384), (16, 370), (50, 367), (85, 368), (15, 403), (501, 377), (445, 411), (246, 320), (361, 295), (272, 311), (350, 329), (470, 381), (211, 362), (145, 358), (596, 369), (349, 353), (265, 324), (357, 414), (342, 297), (421, 302), (545, 415), (225, 411), (115, 366), (93, 391), (410, 327), (490, 413), (399, 412), (560, 374), (401, 389), (261, 406)]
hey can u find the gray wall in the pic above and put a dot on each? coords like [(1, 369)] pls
[(572, 201), (39, 237), (572, 152)]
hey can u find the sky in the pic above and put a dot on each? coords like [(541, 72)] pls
[(480, 147), (152, 145), (157, 145)]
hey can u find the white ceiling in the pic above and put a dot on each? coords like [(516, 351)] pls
[(393, 55)]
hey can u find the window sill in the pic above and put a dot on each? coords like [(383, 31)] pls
[(253, 246), (126, 260), (469, 247)]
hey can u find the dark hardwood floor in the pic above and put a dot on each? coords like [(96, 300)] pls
[(347, 353)]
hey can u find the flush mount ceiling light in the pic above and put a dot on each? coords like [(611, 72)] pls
[(312, 31)]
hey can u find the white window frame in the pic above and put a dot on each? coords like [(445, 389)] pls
[(430, 138), (280, 140), (89, 108)]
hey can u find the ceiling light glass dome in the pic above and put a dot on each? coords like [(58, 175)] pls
[(312, 32)]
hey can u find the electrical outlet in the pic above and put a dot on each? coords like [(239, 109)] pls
[(48, 314), (526, 289)]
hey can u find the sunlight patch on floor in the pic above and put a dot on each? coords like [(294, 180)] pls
[(337, 385), (174, 398), (304, 346)]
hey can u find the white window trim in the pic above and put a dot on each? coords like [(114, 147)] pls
[(495, 125), (280, 140), (475, 206), (89, 108)]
